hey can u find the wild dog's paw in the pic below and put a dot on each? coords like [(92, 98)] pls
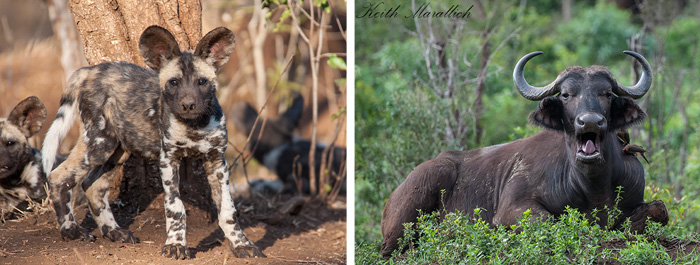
[(175, 251), (247, 252), (119, 235), (74, 232)]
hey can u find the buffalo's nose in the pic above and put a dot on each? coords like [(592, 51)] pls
[(589, 122)]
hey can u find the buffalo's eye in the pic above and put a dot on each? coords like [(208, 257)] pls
[(173, 82), (608, 95), (202, 81), (565, 95)]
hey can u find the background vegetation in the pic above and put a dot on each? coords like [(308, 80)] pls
[(407, 110)]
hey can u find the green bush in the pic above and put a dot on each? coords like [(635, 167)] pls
[(400, 123), (456, 238)]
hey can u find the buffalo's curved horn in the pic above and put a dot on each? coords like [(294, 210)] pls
[(644, 83), (525, 89)]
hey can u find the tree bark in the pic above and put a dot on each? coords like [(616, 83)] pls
[(62, 23), (110, 31), (481, 83), (566, 10)]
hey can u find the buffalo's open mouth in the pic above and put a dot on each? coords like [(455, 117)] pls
[(588, 147)]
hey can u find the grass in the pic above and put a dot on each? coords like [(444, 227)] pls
[(456, 238)]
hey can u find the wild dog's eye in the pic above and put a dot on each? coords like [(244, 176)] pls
[(565, 95), (9, 143), (202, 81), (173, 82)]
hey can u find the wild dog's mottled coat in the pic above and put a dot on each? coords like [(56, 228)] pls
[(164, 115), (21, 176)]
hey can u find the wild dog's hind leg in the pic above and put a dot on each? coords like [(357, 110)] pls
[(175, 215), (217, 173), (96, 187), (64, 178)]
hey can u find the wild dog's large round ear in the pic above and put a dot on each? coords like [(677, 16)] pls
[(244, 116), (157, 45), (291, 116), (216, 47), (29, 115)]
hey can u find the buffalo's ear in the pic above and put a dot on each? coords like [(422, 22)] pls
[(549, 114), (216, 47), (29, 115), (157, 46), (624, 112)]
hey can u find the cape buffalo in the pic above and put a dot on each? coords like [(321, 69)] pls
[(576, 161)]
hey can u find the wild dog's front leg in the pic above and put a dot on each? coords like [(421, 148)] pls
[(217, 173), (175, 216)]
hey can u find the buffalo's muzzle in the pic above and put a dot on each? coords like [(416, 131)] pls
[(588, 127)]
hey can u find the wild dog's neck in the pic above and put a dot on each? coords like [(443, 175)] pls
[(214, 110)]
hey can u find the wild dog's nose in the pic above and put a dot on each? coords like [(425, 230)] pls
[(589, 122), (188, 104)]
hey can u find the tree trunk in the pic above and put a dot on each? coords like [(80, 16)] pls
[(478, 101), (110, 31), (63, 26), (566, 10)]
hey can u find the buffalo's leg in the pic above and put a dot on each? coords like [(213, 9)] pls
[(420, 191), (654, 211)]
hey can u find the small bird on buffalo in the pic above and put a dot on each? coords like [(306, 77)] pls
[(623, 136), (633, 149)]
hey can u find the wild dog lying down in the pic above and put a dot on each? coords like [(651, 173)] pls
[(277, 149), (21, 176), (163, 115)]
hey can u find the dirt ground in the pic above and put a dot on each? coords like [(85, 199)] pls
[(674, 247), (317, 234)]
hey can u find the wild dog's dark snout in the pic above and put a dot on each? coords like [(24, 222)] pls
[(188, 104)]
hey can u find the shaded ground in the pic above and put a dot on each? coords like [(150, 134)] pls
[(317, 234)]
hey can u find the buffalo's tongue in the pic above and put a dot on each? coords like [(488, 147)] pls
[(590, 147)]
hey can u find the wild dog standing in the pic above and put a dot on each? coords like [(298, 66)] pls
[(165, 115), (278, 150), (21, 177)]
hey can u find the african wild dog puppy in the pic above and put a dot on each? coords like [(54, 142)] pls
[(278, 150), (164, 115), (21, 176)]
